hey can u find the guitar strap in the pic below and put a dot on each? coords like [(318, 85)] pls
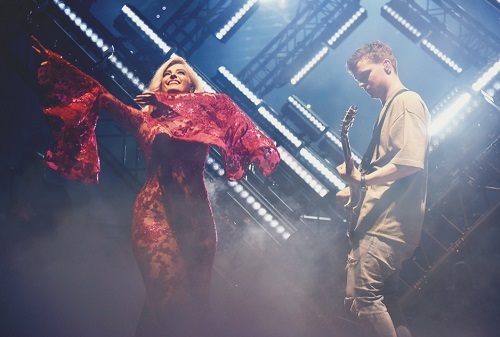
[(377, 128)]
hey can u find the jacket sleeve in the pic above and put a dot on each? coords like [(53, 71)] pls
[(244, 143), (71, 102)]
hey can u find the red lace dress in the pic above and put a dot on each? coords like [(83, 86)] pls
[(173, 230)]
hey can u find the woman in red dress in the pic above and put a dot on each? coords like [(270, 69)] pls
[(173, 230)]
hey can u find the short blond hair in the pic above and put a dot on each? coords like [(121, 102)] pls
[(376, 52), (156, 81)]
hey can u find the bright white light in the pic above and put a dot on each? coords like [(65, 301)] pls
[(236, 17), (315, 60), (442, 56), (445, 117), (240, 86), (302, 172), (94, 37), (486, 77), (325, 171), (279, 126)]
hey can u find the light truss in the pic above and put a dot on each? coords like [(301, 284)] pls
[(313, 20), (194, 22), (100, 43), (458, 26)]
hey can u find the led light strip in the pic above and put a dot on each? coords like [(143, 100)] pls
[(279, 126), (330, 135), (342, 30), (236, 17), (320, 126), (302, 172), (402, 21), (130, 13), (325, 171), (240, 86), (99, 43), (246, 196), (445, 117), (307, 68), (445, 58), (156, 39), (487, 77)]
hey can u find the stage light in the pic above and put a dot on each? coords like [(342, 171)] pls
[(336, 140), (333, 40), (309, 66), (446, 52), (487, 77), (137, 19), (448, 114), (320, 167), (406, 19), (347, 27), (303, 118), (100, 44), (239, 85), (307, 113), (257, 208), (302, 172), (236, 20), (280, 127)]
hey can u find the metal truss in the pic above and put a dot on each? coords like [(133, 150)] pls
[(449, 18), (268, 69), (193, 22), (463, 199)]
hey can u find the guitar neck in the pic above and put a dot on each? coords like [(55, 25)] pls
[(347, 154)]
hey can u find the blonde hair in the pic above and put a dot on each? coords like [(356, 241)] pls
[(156, 81)]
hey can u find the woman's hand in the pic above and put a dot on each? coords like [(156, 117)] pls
[(40, 50), (147, 98)]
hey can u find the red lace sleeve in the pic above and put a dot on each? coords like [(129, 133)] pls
[(69, 102), (216, 120), (244, 142)]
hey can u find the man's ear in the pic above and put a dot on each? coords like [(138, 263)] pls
[(387, 66)]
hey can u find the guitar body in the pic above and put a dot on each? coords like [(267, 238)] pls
[(352, 207)]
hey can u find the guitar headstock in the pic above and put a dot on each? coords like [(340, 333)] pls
[(348, 120)]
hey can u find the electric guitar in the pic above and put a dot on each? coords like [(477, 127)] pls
[(356, 195)]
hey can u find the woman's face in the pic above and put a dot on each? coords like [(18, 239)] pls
[(176, 79)]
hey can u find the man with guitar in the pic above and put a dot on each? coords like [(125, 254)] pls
[(390, 187)]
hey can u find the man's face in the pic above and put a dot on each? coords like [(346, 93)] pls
[(372, 78)]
